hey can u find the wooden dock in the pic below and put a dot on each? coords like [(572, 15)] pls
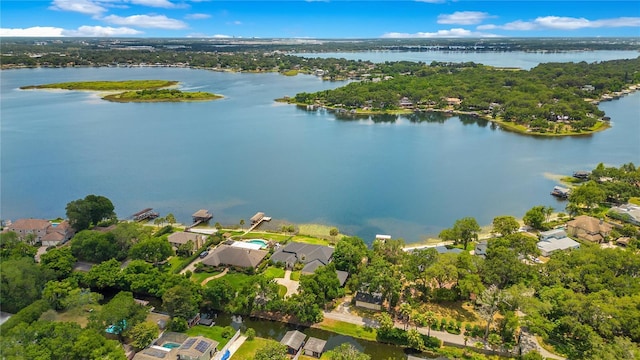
[(199, 217), (146, 214), (256, 220)]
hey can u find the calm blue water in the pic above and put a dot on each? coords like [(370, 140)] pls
[(519, 59), (246, 153)]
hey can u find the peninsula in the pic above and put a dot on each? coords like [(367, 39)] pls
[(133, 90)]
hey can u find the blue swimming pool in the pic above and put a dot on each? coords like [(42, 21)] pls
[(261, 242), (170, 345)]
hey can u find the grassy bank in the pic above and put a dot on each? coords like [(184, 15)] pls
[(161, 95), (347, 329), (106, 85)]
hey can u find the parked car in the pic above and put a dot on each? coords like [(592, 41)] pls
[(204, 254)]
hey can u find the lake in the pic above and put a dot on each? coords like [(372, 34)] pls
[(409, 178)]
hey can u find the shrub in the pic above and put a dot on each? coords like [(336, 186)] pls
[(250, 333), (228, 332), (27, 315), (432, 342), (177, 324)]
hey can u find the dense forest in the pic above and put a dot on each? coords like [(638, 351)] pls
[(548, 98)]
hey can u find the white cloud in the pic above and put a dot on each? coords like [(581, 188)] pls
[(237, 22), (432, 1), (36, 31), (564, 23), (82, 6), (156, 3), (82, 31), (452, 33), (146, 21), (463, 18), (197, 16), (216, 36), (92, 31)]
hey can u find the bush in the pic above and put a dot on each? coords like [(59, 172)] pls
[(178, 324), (250, 334), (228, 332), (27, 315), (432, 342)]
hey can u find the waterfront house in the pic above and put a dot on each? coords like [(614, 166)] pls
[(555, 240), (314, 347), (588, 228), (172, 346), (44, 231), (293, 340), (229, 255), (180, 238), (295, 252), (628, 212), (371, 301)]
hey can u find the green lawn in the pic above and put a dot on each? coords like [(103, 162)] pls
[(311, 240), (213, 333), (273, 272), (267, 236), (199, 276), (282, 291), (249, 348), (237, 280), (295, 275), (348, 329)]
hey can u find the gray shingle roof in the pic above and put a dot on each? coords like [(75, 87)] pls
[(293, 339), (314, 344), (304, 253), (234, 256)]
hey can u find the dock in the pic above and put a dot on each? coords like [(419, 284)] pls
[(199, 217), (146, 214), (560, 192), (256, 220)]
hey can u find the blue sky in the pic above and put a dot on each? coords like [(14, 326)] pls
[(319, 19)]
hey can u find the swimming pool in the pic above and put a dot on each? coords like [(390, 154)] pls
[(170, 345), (255, 244), (258, 242)]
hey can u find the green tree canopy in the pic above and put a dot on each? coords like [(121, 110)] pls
[(346, 351), (90, 211), (463, 231), (153, 250), (272, 351)]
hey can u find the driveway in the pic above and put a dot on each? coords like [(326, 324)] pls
[(291, 285)]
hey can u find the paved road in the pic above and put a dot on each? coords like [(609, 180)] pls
[(342, 313)]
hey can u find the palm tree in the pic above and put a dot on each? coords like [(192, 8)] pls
[(405, 311), (242, 224), (430, 316)]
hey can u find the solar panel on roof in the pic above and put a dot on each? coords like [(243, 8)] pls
[(188, 344), (202, 346)]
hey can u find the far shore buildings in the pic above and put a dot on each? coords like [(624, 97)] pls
[(588, 228), (46, 232)]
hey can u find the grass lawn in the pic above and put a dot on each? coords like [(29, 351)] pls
[(273, 272), (282, 291), (198, 277), (267, 236), (345, 328), (237, 280), (295, 275), (79, 315), (311, 240), (635, 200), (459, 311), (173, 264), (211, 332), (249, 348)]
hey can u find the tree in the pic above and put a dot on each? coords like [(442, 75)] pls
[(59, 260), (153, 250), (181, 301), (489, 301), (171, 219), (272, 351), (415, 340), (21, 282), (463, 231), (334, 232), (494, 341), (535, 217), (505, 225), (405, 312), (11, 247), (56, 293), (346, 351), (588, 195), (430, 317), (143, 334), (90, 211), (94, 246), (349, 253), (250, 334), (242, 224), (121, 314)]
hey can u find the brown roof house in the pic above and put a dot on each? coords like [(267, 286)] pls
[(588, 228), (229, 255), (46, 232), (180, 238)]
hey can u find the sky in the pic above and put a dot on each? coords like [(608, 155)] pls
[(319, 19)]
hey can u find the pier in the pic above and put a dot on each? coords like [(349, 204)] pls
[(199, 217), (256, 220), (146, 214)]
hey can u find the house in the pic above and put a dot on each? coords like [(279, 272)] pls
[(180, 238), (228, 255), (583, 175), (443, 250), (193, 348), (372, 301), (453, 101), (296, 252), (46, 232), (623, 241), (554, 240), (293, 340), (314, 347), (311, 267), (382, 238), (588, 228), (629, 213), (481, 249)]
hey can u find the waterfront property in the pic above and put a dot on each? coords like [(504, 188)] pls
[(176, 346), (228, 255), (145, 214), (44, 231), (560, 192), (554, 240), (201, 215), (628, 212), (295, 252), (257, 218), (180, 238), (293, 340), (588, 228), (314, 347)]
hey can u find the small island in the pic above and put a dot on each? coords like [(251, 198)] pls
[(133, 90)]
